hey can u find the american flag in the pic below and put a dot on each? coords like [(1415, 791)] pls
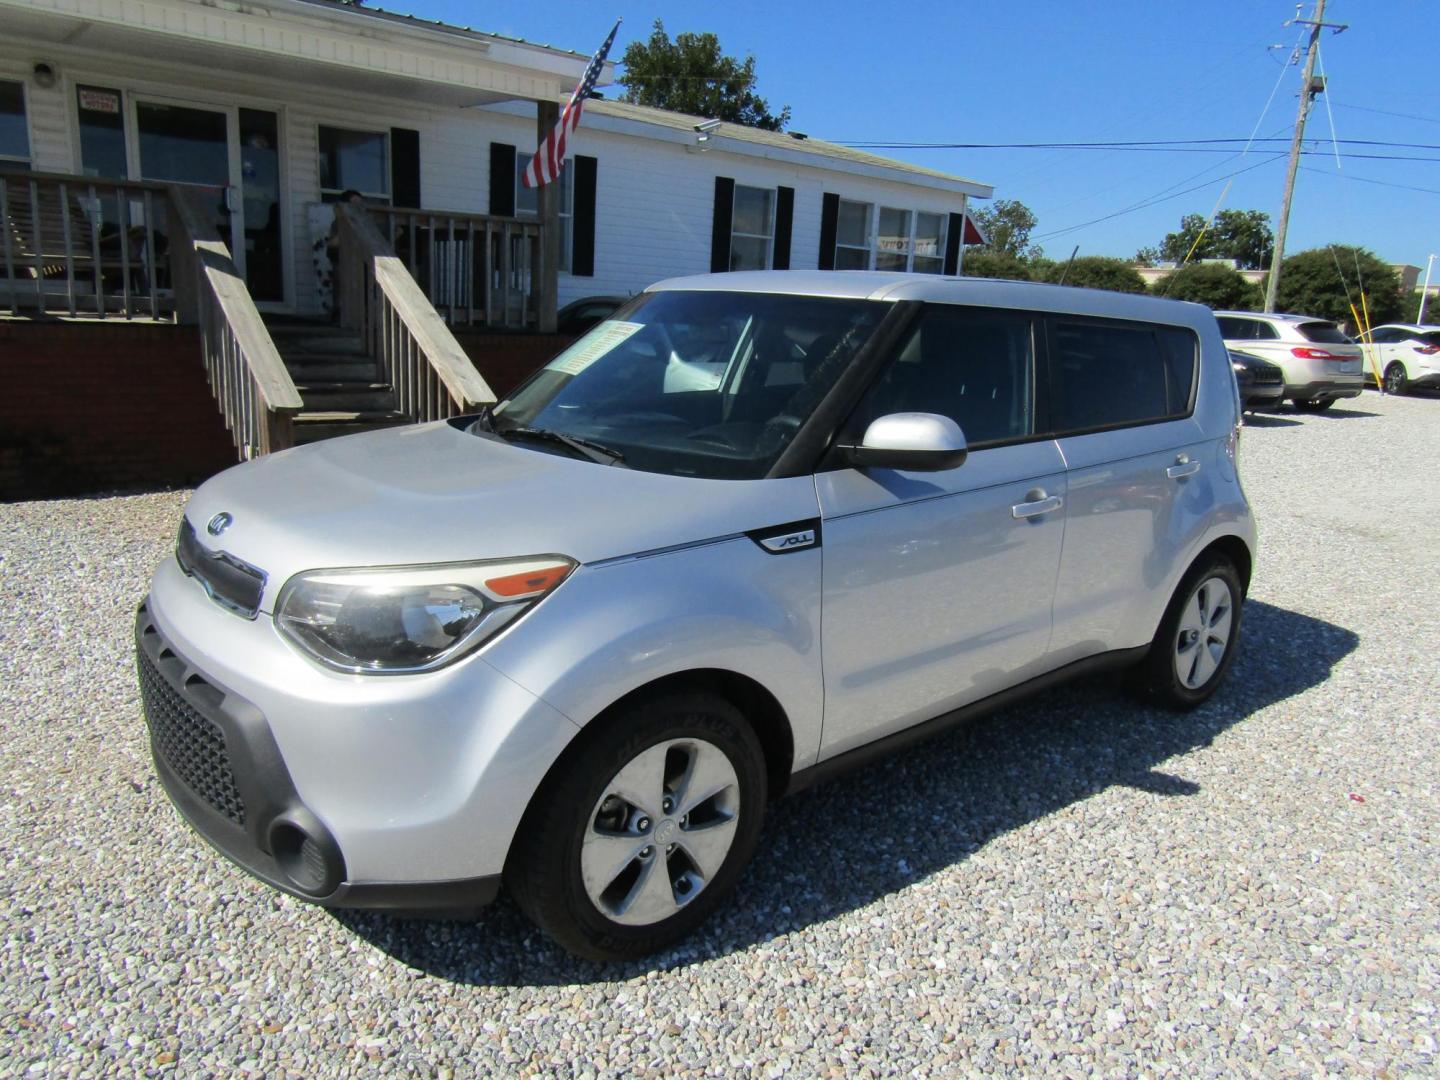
[(550, 158)]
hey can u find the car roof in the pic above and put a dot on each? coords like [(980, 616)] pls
[(972, 291), (1276, 316), (1423, 328)]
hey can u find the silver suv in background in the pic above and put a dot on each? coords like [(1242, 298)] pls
[(752, 531), (1321, 364)]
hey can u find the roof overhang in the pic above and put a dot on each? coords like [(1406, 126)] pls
[(678, 130), (307, 41)]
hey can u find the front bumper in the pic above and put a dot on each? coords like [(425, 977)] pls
[(1262, 396), (1341, 386), (1427, 380), (408, 789), (218, 762)]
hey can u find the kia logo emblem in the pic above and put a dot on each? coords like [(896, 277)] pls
[(219, 523)]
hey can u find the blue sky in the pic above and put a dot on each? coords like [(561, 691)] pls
[(1050, 71)]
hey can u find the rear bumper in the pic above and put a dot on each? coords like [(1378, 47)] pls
[(217, 759), (1341, 386)]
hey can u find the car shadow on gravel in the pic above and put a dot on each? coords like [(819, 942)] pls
[(1264, 420), (844, 845), (1335, 413)]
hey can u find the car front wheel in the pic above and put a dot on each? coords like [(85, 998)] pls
[(644, 830), (1395, 380)]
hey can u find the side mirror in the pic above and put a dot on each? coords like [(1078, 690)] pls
[(912, 441)]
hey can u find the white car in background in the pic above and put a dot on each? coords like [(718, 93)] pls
[(1407, 356), (1320, 363)]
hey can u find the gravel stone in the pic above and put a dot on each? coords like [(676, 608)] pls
[(1076, 886)]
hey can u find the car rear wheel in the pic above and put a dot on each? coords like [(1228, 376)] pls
[(1395, 380), (1313, 404), (645, 830), (1195, 644)]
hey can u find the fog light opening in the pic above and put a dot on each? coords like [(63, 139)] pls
[(302, 858)]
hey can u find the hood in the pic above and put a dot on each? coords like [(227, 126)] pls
[(435, 494)]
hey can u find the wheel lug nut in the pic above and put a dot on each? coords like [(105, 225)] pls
[(669, 804), (643, 824), (646, 852)]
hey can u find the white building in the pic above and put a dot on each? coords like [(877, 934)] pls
[(286, 103)]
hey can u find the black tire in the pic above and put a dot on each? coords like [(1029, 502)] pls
[(545, 869), (1395, 380), (1313, 404), (1157, 678)]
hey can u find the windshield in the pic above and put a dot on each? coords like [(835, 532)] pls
[(707, 384)]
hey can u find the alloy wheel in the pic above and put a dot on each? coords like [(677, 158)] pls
[(1204, 633), (660, 831)]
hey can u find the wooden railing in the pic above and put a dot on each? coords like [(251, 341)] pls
[(78, 246), (474, 268), (432, 376), (249, 380)]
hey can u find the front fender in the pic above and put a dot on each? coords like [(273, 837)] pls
[(615, 627)]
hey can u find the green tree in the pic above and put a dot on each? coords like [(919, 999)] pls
[(1097, 272), (1242, 235), (1325, 281), (996, 264), (1212, 284), (692, 75), (1008, 223)]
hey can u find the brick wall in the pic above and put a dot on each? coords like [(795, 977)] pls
[(99, 406), (505, 360)]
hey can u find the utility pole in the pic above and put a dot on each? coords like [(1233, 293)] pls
[(1308, 90), (1425, 289)]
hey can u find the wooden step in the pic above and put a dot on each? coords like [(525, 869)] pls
[(375, 399), (332, 370), (330, 424)]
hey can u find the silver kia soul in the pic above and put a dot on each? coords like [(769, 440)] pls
[(751, 531)]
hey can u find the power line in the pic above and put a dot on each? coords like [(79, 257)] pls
[(1369, 180), (1156, 201), (1138, 144), (1387, 112)]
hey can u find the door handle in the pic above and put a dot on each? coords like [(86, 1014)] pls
[(1183, 467), (1039, 504)]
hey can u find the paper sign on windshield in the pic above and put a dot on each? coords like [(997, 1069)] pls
[(594, 345)]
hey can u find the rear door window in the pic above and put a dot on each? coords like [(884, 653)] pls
[(1107, 374)]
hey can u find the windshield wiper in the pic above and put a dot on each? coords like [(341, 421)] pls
[(585, 448)]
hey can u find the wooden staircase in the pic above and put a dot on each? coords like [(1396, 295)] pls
[(343, 388)]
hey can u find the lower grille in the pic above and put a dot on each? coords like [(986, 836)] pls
[(192, 746)]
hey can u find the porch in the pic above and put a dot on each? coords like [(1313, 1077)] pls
[(77, 252), (83, 247)]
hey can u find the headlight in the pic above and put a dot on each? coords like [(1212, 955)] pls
[(407, 619)]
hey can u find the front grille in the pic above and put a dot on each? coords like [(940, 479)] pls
[(232, 583), (192, 746)]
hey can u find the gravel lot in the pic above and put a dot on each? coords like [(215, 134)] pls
[(1072, 887)]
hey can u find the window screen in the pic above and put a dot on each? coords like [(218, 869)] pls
[(354, 160), (1106, 375), (14, 140), (969, 364)]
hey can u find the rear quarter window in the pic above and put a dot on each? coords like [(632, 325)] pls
[(1106, 374)]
